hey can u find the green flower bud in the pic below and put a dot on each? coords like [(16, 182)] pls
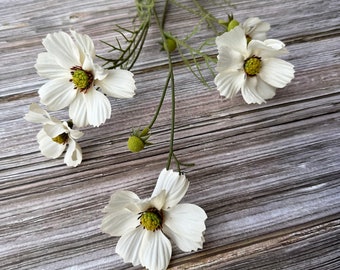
[(171, 44), (232, 24), (135, 144), (138, 139)]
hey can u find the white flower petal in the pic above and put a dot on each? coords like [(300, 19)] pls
[(117, 223), (249, 92), (120, 199), (99, 73), (275, 44), (229, 82), (119, 219), (98, 107), (263, 50), (88, 64), (158, 201), (47, 67), (229, 59), (48, 147), (129, 245), (156, 250), (57, 94), (118, 83), (73, 155), (85, 43), (62, 47), (265, 90), (276, 72), (175, 185), (37, 115), (74, 134), (184, 224), (78, 110), (255, 28), (54, 130), (234, 39)]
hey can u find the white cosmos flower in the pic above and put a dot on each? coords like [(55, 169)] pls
[(75, 80), (55, 135), (254, 28), (252, 68), (145, 225)]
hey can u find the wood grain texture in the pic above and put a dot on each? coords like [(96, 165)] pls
[(268, 176)]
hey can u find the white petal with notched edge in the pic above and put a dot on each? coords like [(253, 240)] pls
[(118, 83), (229, 82), (47, 67), (184, 224), (129, 245), (78, 110), (57, 94), (61, 46), (84, 43), (98, 107), (276, 72), (155, 252), (73, 156), (174, 184)]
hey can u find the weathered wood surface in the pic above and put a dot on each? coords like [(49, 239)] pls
[(268, 176)]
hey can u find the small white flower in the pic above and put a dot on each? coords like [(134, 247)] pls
[(75, 79), (55, 135), (252, 68), (254, 28), (144, 224)]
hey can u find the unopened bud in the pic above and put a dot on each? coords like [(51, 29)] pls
[(232, 24), (135, 144), (171, 44)]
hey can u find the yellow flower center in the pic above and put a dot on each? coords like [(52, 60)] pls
[(61, 139), (81, 79), (151, 219), (252, 65)]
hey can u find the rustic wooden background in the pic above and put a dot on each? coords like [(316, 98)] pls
[(267, 176)]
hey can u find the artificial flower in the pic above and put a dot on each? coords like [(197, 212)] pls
[(75, 80), (254, 28), (55, 136), (252, 68), (145, 225)]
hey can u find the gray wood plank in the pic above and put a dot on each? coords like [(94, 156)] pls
[(267, 176)]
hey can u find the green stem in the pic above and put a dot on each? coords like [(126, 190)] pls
[(164, 14), (173, 109), (171, 76), (160, 102)]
